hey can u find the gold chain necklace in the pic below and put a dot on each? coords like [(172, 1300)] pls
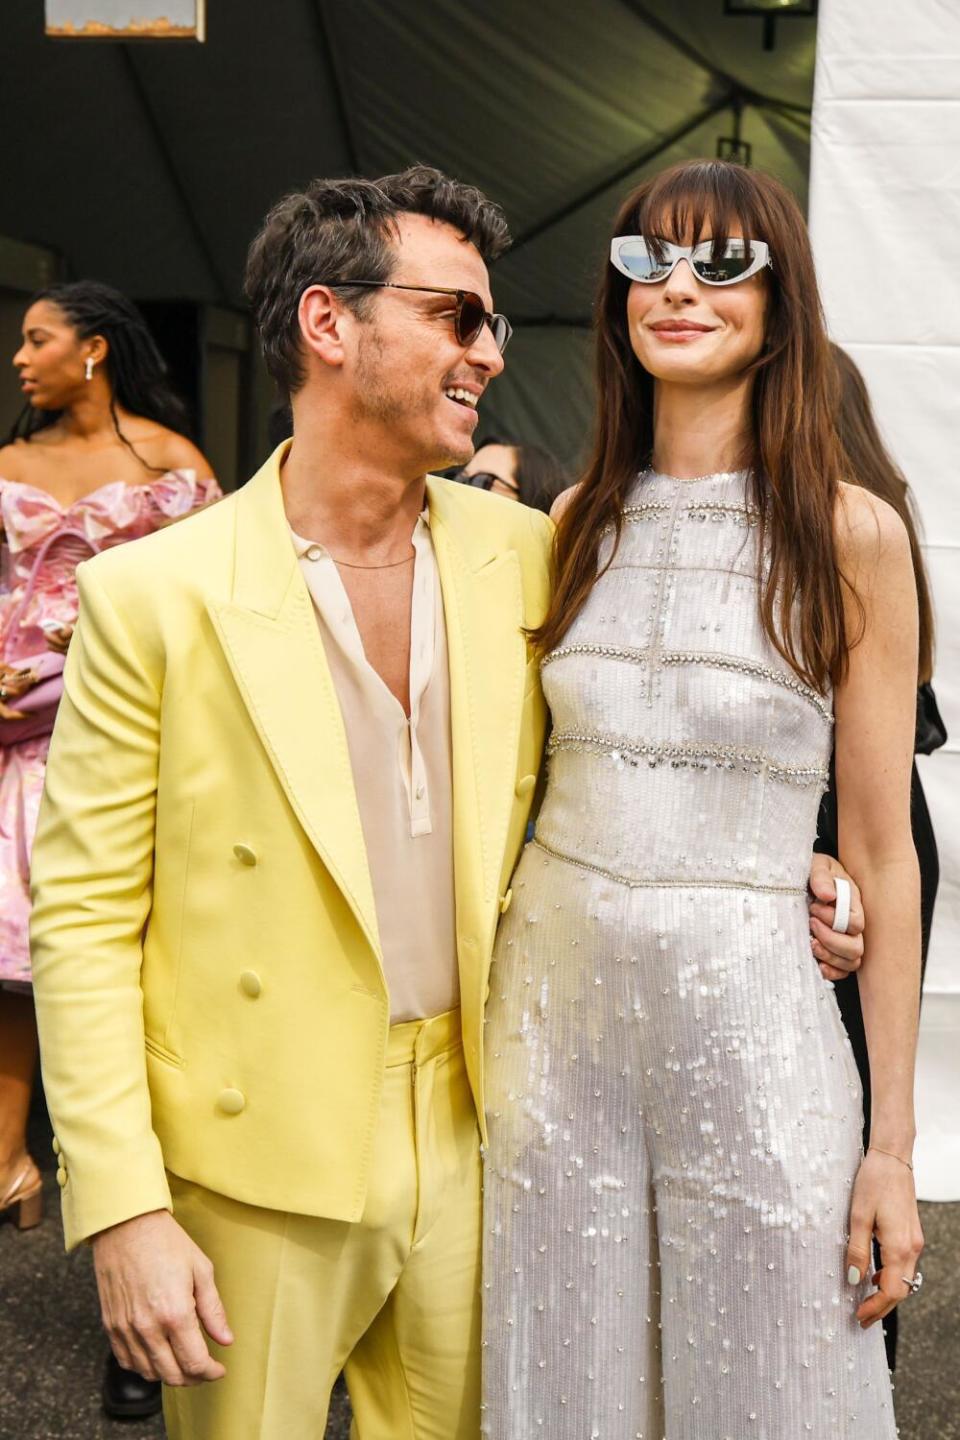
[(390, 565)]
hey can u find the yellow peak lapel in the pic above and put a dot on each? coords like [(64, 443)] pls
[(270, 637), (483, 601)]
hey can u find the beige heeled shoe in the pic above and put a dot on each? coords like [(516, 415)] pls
[(23, 1202)]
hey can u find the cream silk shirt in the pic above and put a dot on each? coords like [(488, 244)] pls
[(402, 771)]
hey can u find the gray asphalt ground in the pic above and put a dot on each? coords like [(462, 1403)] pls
[(52, 1350)]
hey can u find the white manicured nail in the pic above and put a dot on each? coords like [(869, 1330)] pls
[(853, 1276)]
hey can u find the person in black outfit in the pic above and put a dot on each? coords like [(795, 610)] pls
[(870, 465)]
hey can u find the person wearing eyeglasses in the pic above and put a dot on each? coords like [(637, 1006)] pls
[(515, 469), (678, 1207), (290, 778), (289, 783)]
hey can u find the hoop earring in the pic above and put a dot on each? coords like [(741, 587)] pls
[(88, 368)]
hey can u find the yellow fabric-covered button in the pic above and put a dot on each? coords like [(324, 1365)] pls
[(505, 902), (245, 854), (56, 1146), (61, 1177), (250, 983), (231, 1102), (524, 785)]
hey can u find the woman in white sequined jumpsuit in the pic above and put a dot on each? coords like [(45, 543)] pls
[(674, 1111)]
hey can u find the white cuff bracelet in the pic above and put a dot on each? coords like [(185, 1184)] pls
[(841, 919)]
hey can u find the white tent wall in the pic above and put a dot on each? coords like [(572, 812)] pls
[(885, 212)]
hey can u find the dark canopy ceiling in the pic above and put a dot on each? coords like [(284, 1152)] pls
[(151, 165)]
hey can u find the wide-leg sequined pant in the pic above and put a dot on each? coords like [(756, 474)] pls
[(674, 1118)]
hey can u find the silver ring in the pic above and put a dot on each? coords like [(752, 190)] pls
[(3, 692), (841, 918), (914, 1284)]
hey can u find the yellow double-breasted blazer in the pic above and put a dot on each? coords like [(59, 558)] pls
[(208, 973)]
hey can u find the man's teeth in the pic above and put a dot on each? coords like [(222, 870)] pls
[(466, 396)]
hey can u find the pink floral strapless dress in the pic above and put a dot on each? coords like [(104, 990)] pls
[(33, 521)]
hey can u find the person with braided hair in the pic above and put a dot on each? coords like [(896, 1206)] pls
[(99, 456)]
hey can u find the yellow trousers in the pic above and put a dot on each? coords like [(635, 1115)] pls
[(393, 1300)]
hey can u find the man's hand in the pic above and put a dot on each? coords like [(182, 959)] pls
[(837, 955), (156, 1291)]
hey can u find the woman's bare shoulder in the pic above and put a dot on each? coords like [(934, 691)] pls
[(168, 450), (14, 459), (562, 501), (868, 530)]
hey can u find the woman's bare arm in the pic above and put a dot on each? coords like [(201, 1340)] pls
[(875, 707)]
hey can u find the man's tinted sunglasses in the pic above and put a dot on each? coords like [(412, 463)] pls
[(470, 315)]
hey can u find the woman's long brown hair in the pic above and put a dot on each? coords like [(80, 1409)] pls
[(792, 450), (870, 464)]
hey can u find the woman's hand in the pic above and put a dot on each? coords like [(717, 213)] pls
[(59, 639), (884, 1204), (13, 684)]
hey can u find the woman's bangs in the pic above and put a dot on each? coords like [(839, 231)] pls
[(693, 202)]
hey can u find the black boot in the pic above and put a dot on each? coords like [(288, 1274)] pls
[(126, 1395)]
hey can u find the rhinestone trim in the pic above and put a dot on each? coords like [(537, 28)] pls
[(645, 510), (607, 652), (717, 511), (695, 657), (753, 668), (718, 475), (699, 756), (667, 884)]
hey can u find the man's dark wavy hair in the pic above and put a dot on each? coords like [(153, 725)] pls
[(342, 229)]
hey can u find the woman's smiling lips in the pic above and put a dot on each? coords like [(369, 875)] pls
[(677, 331)]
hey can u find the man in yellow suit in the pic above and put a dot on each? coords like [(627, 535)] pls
[(289, 782), (291, 777)]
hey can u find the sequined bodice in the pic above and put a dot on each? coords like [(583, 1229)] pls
[(684, 749), (673, 1112)]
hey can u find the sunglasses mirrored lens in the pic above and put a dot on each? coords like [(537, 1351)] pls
[(470, 318), (641, 263), (731, 264)]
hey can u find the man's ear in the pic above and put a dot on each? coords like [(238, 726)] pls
[(323, 321)]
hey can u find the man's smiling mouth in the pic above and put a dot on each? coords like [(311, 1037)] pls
[(462, 397)]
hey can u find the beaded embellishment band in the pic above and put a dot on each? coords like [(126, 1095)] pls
[(698, 756), (718, 661), (632, 884)]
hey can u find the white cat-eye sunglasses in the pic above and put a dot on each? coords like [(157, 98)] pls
[(651, 261)]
